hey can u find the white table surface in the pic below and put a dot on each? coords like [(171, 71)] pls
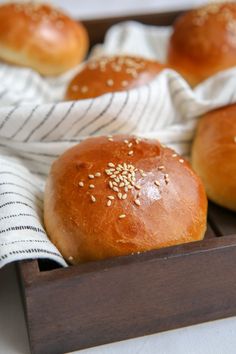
[(211, 338)]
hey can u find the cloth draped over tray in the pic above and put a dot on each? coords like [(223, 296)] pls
[(35, 127)]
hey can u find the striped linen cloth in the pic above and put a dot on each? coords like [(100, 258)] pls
[(35, 127)]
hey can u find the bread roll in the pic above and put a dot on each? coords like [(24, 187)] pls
[(110, 74), (204, 42), (40, 37), (115, 196), (214, 155)]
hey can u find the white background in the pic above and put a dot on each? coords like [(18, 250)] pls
[(211, 338), (101, 8)]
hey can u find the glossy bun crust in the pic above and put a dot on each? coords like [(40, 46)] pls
[(214, 155), (40, 37), (115, 196), (110, 74), (204, 42)]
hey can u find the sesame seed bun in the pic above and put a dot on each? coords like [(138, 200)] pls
[(214, 155), (40, 37), (112, 196), (110, 74), (204, 42)]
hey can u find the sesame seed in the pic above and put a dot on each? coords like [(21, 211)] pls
[(124, 83), (117, 68), (92, 186), (157, 183), (70, 258), (137, 202), (109, 203), (181, 160), (126, 189), (121, 184), (93, 198), (81, 184), (110, 164), (110, 139), (166, 175), (143, 174), (138, 187), (113, 176), (110, 184), (235, 139), (174, 155), (84, 89), (130, 153), (97, 174), (161, 168), (122, 216), (91, 176), (130, 144), (75, 88), (124, 196), (111, 197), (115, 189), (110, 82), (126, 141), (120, 195), (92, 66)]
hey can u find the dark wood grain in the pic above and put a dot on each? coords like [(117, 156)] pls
[(98, 28), (222, 221), (101, 302)]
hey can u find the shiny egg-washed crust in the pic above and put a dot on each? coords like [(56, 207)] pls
[(110, 74), (40, 37), (204, 42), (214, 155), (166, 205)]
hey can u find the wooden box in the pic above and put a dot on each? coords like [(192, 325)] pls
[(121, 298)]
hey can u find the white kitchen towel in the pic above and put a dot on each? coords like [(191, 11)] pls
[(35, 127)]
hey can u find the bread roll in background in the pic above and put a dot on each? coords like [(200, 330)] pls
[(204, 42), (41, 37), (214, 155), (112, 196), (110, 74)]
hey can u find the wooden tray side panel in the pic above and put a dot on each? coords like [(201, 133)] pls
[(132, 300), (98, 28)]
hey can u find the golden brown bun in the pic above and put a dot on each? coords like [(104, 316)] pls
[(166, 204), (204, 42), (214, 155), (40, 37), (110, 74)]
